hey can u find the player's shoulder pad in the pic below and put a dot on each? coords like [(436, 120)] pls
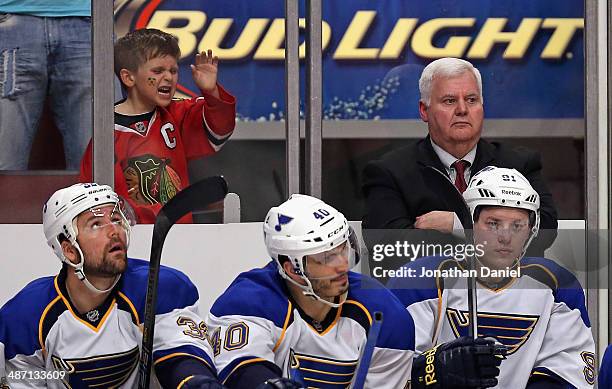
[(21, 315), (258, 293), (411, 287), (367, 296), (564, 285), (174, 290)]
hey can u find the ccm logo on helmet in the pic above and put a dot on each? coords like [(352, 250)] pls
[(335, 232), (511, 192)]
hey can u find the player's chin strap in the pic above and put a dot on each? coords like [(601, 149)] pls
[(308, 290), (80, 273)]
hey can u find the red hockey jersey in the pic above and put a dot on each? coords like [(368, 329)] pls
[(151, 154)]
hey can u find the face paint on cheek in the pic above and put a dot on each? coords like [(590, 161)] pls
[(152, 81)]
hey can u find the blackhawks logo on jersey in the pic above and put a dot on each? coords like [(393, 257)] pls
[(151, 180)]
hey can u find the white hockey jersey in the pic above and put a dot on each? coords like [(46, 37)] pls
[(41, 330), (256, 320), (540, 316)]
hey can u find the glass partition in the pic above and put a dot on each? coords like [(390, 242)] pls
[(248, 38)]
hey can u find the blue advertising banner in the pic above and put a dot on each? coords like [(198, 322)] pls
[(530, 52)]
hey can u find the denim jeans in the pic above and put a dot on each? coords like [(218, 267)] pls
[(40, 57)]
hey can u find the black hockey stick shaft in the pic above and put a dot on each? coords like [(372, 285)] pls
[(441, 183), (472, 302), (368, 350), (194, 197)]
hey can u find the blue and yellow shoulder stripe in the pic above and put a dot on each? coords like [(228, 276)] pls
[(21, 317), (175, 289), (258, 293)]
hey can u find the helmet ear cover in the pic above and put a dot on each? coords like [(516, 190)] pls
[(282, 259)]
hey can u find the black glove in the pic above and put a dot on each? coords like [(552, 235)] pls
[(279, 383), (202, 382), (461, 364)]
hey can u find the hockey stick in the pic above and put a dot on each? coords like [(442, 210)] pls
[(192, 198), (368, 350), (441, 183)]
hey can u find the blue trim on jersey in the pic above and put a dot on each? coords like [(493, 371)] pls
[(410, 290), (186, 349), (225, 373), (605, 370), (552, 375), (569, 290), (20, 316), (397, 331), (175, 290), (259, 293)]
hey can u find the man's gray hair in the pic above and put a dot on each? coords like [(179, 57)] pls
[(445, 68)]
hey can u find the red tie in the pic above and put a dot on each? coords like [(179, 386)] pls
[(460, 166)]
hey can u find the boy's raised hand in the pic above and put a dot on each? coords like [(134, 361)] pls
[(204, 72)]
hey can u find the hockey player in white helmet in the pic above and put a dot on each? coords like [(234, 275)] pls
[(533, 306), (302, 320), (101, 209), (510, 221), (81, 328)]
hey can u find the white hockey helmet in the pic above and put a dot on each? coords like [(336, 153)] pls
[(61, 210), (504, 187), (305, 225)]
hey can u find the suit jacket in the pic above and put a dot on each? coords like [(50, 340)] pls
[(406, 183)]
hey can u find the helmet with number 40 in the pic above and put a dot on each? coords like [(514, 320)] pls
[(306, 226)]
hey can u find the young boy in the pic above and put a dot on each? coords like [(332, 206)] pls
[(155, 135)]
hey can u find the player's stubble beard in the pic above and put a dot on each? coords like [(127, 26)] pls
[(111, 264), (326, 289)]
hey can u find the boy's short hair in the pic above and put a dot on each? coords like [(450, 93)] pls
[(139, 46)]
